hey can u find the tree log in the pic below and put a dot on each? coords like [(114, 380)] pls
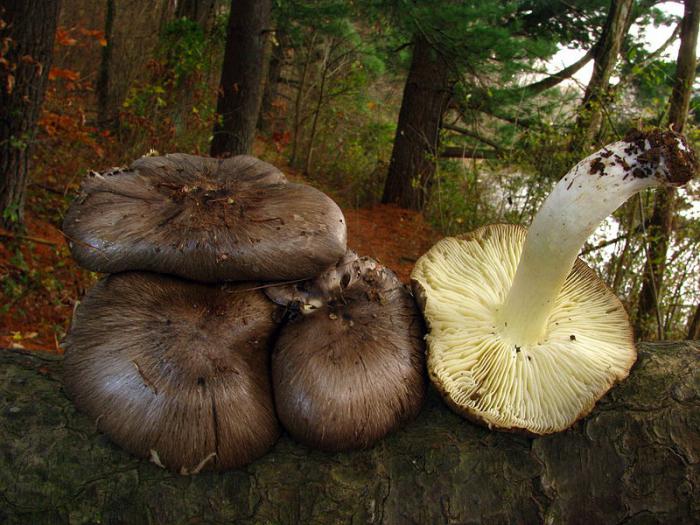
[(635, 459)]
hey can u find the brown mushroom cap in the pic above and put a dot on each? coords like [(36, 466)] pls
[(175, 371), (204, 219), (351, 369)]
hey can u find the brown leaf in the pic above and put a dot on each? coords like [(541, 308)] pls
[(67, 74)]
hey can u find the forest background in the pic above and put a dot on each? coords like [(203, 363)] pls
[(421, 118)]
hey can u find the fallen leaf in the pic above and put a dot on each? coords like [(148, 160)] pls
[(67, 74)]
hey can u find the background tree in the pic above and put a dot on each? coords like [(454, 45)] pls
[(470, 46), (694, 325), (325, 110), (240, 90), (426, 95), (26, 32), (661, 225), (606, 52), (335, 85), (278, 45), (200, 11), (106, 114)]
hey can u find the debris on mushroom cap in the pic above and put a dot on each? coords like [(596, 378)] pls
[(538, 388), (680, 163), (349, 366), (175, 371), (204, 219)]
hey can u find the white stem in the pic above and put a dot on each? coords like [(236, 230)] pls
[(586, 195)]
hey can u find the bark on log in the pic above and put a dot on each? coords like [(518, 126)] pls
[(635, 459)]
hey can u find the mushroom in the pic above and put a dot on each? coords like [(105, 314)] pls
[(204, 219), (348, 367), (523, 335), (175, 371)]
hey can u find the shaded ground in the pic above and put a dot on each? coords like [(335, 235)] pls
[(41, 283), (392, 235)]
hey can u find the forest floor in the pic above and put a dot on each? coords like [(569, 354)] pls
[(41, 283)]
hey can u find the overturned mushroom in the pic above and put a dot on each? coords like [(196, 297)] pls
[(175, 371), (204, 219), (348, 367), (523, 335)]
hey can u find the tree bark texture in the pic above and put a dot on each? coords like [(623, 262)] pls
[(107, 116), (635, 459), (694, 325), (425, 98), (595, 97), (661, 227), (27, 36), (200, 11), (267, 117), (685, 66), (240, 91)]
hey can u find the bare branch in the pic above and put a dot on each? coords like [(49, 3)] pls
[(468, 133), (461, 152), (557, 78)]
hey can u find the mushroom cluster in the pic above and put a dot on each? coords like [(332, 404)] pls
[(170, 352), (522, 334)]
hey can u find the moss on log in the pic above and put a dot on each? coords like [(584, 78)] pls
[(635, 459)]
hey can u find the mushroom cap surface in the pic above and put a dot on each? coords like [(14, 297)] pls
[(460, 284), (351, 368), (175, 371), (204, 219)]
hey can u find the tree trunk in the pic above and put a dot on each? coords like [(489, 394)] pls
[(595, 98), (634, 459), (107, 116), (325, 64), (425, 98), (26, 47), (694, 325), (267, 110), (200, 11), (661, 228), (299, 100), (240, 91), (685, 66)]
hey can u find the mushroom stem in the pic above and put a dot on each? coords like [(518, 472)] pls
[(586, 195)]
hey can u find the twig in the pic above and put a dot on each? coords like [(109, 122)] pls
[(647, 249), (47, 188), (29, 238)]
